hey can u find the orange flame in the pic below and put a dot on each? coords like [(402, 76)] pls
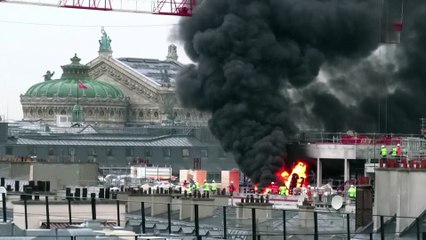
[(299, 171)]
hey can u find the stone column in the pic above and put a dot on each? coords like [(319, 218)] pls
[(346, 170), (319, 172)]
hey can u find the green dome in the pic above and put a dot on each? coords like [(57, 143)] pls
[(68, 84)]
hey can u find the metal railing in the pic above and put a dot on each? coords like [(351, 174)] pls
[(205, 218)]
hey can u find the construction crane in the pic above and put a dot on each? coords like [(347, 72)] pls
[(164, 7)]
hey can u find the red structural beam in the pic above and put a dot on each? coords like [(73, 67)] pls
[(174, 7), (103, 5)]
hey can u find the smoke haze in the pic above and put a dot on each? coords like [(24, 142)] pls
[(267, 69)]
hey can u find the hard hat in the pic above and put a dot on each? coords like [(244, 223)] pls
[(272, 182), (352, 185), (205, 180), (212, 180), (232, 181), (383, 145), (397, 144)]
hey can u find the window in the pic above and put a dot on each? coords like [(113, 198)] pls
[(185, 152), (90, 113), (109, 152), (9, 151), (156, 114), (166, 152), (101, 113), (129, 152), (147, 152), (188, 115), (39, 112), (51, 151), (141, 114), (204, 153), (63, 112), (50, 112), (111, 114)]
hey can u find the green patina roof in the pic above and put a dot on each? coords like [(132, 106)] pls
[(67, 85)]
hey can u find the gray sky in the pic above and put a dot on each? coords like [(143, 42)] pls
[(35, 39)]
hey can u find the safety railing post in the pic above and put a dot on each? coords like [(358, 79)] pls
[(143, 217), (253, 223), (69, 211), (315, 226), (47, 213), (382, 228), (169, 217), (3, 195), (118, 213), (284, 225), (224, 223), (348, 226)]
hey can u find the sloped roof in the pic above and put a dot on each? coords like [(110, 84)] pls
[(114, 142), (161, 72)]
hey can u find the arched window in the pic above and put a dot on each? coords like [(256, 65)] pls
[(101, 113), (156, 114), (111, 114), (90, 113), (141, 114), (50, 112), (188, 115), (63, 112), (39, 112), (200, 115)]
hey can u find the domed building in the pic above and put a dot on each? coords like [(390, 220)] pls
[(112, 92), (103, 103)]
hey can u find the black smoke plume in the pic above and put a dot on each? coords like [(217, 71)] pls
[(266, 69)]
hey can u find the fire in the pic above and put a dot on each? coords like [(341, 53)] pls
[(297, 178)]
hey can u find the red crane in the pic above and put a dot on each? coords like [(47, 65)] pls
[(165, 7)]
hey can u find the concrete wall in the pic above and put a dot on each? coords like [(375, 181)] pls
[(399, 192), (80, 211), (61, 175)]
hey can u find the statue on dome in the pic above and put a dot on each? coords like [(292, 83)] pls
[(104, 42), (48, 76)]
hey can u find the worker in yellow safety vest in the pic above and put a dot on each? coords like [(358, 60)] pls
[(206, 186), (352, 192), (196, 186), (383, 152), (283, 190), (213, 187)]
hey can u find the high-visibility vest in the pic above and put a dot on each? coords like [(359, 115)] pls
[(213, 186), (197, 186), (206, 186), (394, 151), (283, 190), (383, 151), (352, 192)]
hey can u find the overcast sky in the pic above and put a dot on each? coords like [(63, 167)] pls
[(35, 39)]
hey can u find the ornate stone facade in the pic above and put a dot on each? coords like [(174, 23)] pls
[(146, 98)]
